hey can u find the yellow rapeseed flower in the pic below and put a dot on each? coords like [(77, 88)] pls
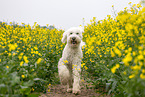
[(82, 64), (25, 59), (23, 76), (32, 89), (82, 80), (20, 56), (140, 57), (9, 54), (129, 49), (79, 69), (36, 52), (7, 66), (142, 76), (132, 76), (14, 54), (129, 2), (124, 73), (21, 63), (113, 70), (85, 67), (48, 90), (136, 67), (134, 53), (65, 61), (12, 46), (117, 51), (143, 70), (39, 60), (127, 59), (35, 48), (138, 6), (112, 54), (117, 65)]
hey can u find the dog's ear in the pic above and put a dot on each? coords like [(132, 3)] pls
[(64, 38)]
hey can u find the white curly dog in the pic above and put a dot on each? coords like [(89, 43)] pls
[(69, 66)]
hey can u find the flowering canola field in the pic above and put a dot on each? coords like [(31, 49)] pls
[(114, 55), (115, 52)]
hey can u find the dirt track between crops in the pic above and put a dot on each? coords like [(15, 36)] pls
[(60, 91)]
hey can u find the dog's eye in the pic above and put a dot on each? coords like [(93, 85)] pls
[(70, 33), (77, 33)]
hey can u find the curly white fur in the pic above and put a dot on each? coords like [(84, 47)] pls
[(69, 66)]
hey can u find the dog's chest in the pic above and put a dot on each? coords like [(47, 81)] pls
[(73, 55)]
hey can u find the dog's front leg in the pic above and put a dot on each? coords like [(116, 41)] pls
[(70, 82), (76, 76)]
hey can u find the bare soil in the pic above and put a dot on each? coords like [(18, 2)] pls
[(60, 91)]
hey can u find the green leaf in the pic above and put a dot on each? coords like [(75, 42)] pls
[(111, 80), (114, 85), (39, 79), (15, 78), (25, 90), (23, 87), (35, 79), (2, 85), (109, 92), (107, 86), (29, 83)]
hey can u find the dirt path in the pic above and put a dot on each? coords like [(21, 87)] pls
[(60, 91)]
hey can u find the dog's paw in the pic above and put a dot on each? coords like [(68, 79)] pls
[(69, 90), (76, 91)]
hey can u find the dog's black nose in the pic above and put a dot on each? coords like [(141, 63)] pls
[(73, 38)]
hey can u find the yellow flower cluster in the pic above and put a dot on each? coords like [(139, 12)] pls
[(65, 61), (26, 59), (114, 68), (39, 60), (12, 46)]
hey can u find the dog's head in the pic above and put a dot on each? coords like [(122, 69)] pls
[(73, 36)]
